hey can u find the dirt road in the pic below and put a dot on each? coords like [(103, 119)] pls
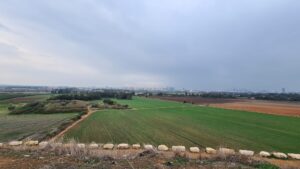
[(89, 112)]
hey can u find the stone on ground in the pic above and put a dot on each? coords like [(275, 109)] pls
[(162, 148), (279, 155), (123, 146), (178, 148), (148, 147), (15, 143), (226, 151), (209, 150), (294, 156), (246, 152), (108, 146), (31, 143), (136, 146)]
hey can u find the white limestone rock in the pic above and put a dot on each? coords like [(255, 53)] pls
[(15, 143), (31, 143), (123, 146), (210, 150), (279, 155), (43, 144), (294, 156), (246, 152), (178, 148), (148, 147), (80, 145), (162, 148), (93, 146), (227, 151), (194, 149), (136, 146), (264, 154), (108, 146)]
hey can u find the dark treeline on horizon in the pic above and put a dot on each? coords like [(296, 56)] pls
[(76, 94), (235, 95)]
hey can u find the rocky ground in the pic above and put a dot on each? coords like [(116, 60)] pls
[(120, 159)]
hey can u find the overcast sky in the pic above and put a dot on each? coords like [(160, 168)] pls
[(192, 44)]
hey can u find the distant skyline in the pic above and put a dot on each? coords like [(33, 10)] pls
[(192, 44)]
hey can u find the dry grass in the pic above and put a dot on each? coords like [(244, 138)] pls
[(129, 158)]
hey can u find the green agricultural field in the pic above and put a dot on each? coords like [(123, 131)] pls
[(5, 96), (14, 127), (172, 123)]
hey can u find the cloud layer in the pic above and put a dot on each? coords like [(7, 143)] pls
[(197, 44)]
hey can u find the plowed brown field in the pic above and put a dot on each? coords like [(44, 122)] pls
[(269, 107), (278, 108), (199, 100)]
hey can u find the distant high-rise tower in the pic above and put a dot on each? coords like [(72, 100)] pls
[(283, 90)]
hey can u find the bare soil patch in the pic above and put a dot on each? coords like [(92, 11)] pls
[(199, 100), (48, 159), (269, 107), (259, 106)]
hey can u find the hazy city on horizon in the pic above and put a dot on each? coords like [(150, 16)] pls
[(3, 87)]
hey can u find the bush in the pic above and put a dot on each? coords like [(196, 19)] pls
[(266, 166), (51, 106), (108, 101), (11, 107)]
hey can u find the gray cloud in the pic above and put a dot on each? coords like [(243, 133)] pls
[(209, 45)]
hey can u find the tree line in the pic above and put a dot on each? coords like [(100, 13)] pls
[(90, 95)]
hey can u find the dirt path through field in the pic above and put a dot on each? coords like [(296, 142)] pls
[(89, 112)]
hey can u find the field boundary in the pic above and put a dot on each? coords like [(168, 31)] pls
[(83, 117), (34, 145)]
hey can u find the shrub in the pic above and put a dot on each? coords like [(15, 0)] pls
[(108, 101), (266, 166), (11, 107)]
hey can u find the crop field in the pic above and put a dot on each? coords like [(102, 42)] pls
[(5, 96), (269, 107), (172, 123), (284, 108), (14, 127)]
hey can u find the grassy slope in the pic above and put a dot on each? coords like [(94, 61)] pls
[(18, 126), (162, 122)]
